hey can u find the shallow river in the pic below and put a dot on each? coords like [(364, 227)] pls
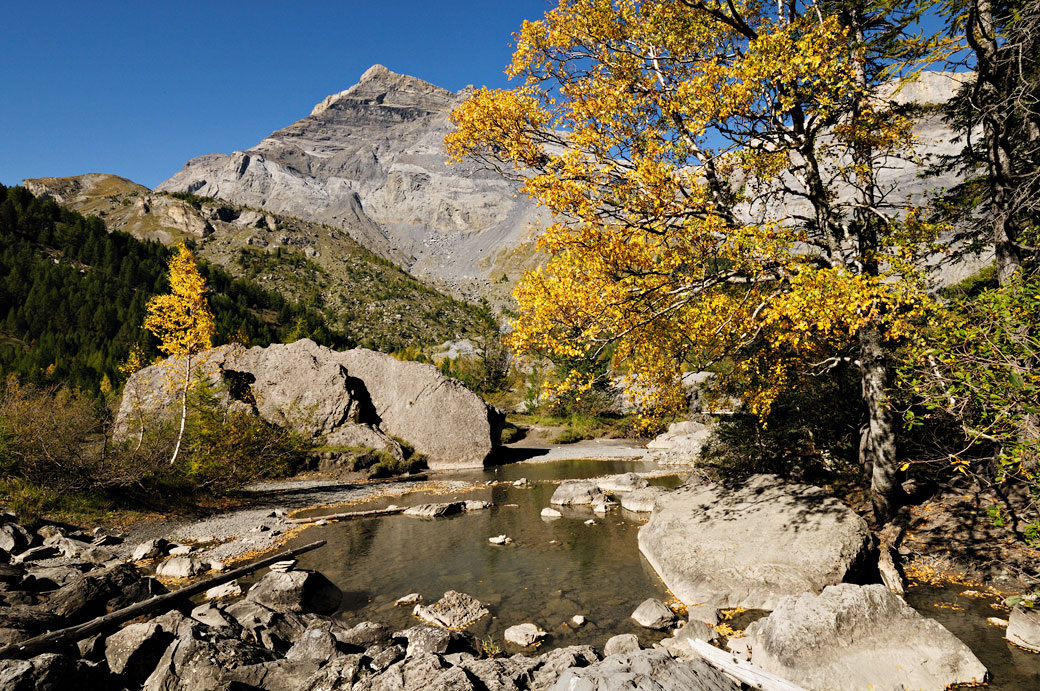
[(558, 568), (553, 570)]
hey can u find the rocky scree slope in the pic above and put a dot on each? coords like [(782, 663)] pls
[(370, 160)]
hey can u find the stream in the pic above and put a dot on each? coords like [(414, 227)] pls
[(557, 568)]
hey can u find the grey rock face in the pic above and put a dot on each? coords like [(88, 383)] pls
[(296, 591), (454, 610), (854, 637), (653, 670), (353, 398), (1024, 627), (751, 544), (577, 492), (371, 161), (653, 614)]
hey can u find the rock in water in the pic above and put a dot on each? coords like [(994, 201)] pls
[(751, 544), (524, 634), (1023, 627), (577, 492), (859, 637), (435, 510), (454, 610), (619, 484)]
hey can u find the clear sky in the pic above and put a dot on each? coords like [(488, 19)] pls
[(138, 88)]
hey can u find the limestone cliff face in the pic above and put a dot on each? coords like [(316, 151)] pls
[(371, 161)]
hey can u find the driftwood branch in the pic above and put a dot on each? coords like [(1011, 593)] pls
[(48, 641), (350, 514), (741, 670)]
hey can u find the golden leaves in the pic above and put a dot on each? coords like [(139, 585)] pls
[(182, 320)]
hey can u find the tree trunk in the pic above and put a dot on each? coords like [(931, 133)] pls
[(981, 36), (184, 407), (878, 447)]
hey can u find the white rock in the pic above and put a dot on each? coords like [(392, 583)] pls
[(283, 566), (179, 550), (179, 567), (590, 522), (409, 600), (577, 621), (500, 540), (548, 512), (232, 589), (524, 634)]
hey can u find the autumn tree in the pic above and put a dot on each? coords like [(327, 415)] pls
[(184, 325), (718, 175)]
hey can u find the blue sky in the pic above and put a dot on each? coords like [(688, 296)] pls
[(138, 88)]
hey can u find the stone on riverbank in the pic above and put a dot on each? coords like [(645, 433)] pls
[(179, 567), (653, 614), (577, 492), (751, 544), (646, 669), (681, 444), (296, 591), (1024, 627), (857, 637), (135, 650), (454, 610)]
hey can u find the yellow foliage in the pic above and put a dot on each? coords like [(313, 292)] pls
[(657, 133), (182, 320)]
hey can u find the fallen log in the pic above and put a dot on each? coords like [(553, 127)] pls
[(48, 641), (741, 670), (351, 514)]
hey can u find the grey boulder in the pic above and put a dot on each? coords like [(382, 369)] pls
[(524, 634), (134, 651), (641, 500), (751, 544), (622, 643), (296, 591), (435, 510), (857, 637)]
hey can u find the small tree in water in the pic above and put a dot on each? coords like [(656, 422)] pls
[(184, 325)]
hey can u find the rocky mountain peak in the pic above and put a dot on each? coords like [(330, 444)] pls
[(380, 86)]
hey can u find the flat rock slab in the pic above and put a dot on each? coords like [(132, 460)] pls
[(859, 637), (1024, 627), (626, 482), (751, 544), (454, 610), (435, 510), (653, 670)]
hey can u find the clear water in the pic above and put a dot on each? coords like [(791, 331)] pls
[(1011, 668), (554, 569)]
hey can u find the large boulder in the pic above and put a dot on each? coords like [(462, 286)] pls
[(681, 444), (751, 544), (860, 637), (352, 398), (296, 591), (577, 492)]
